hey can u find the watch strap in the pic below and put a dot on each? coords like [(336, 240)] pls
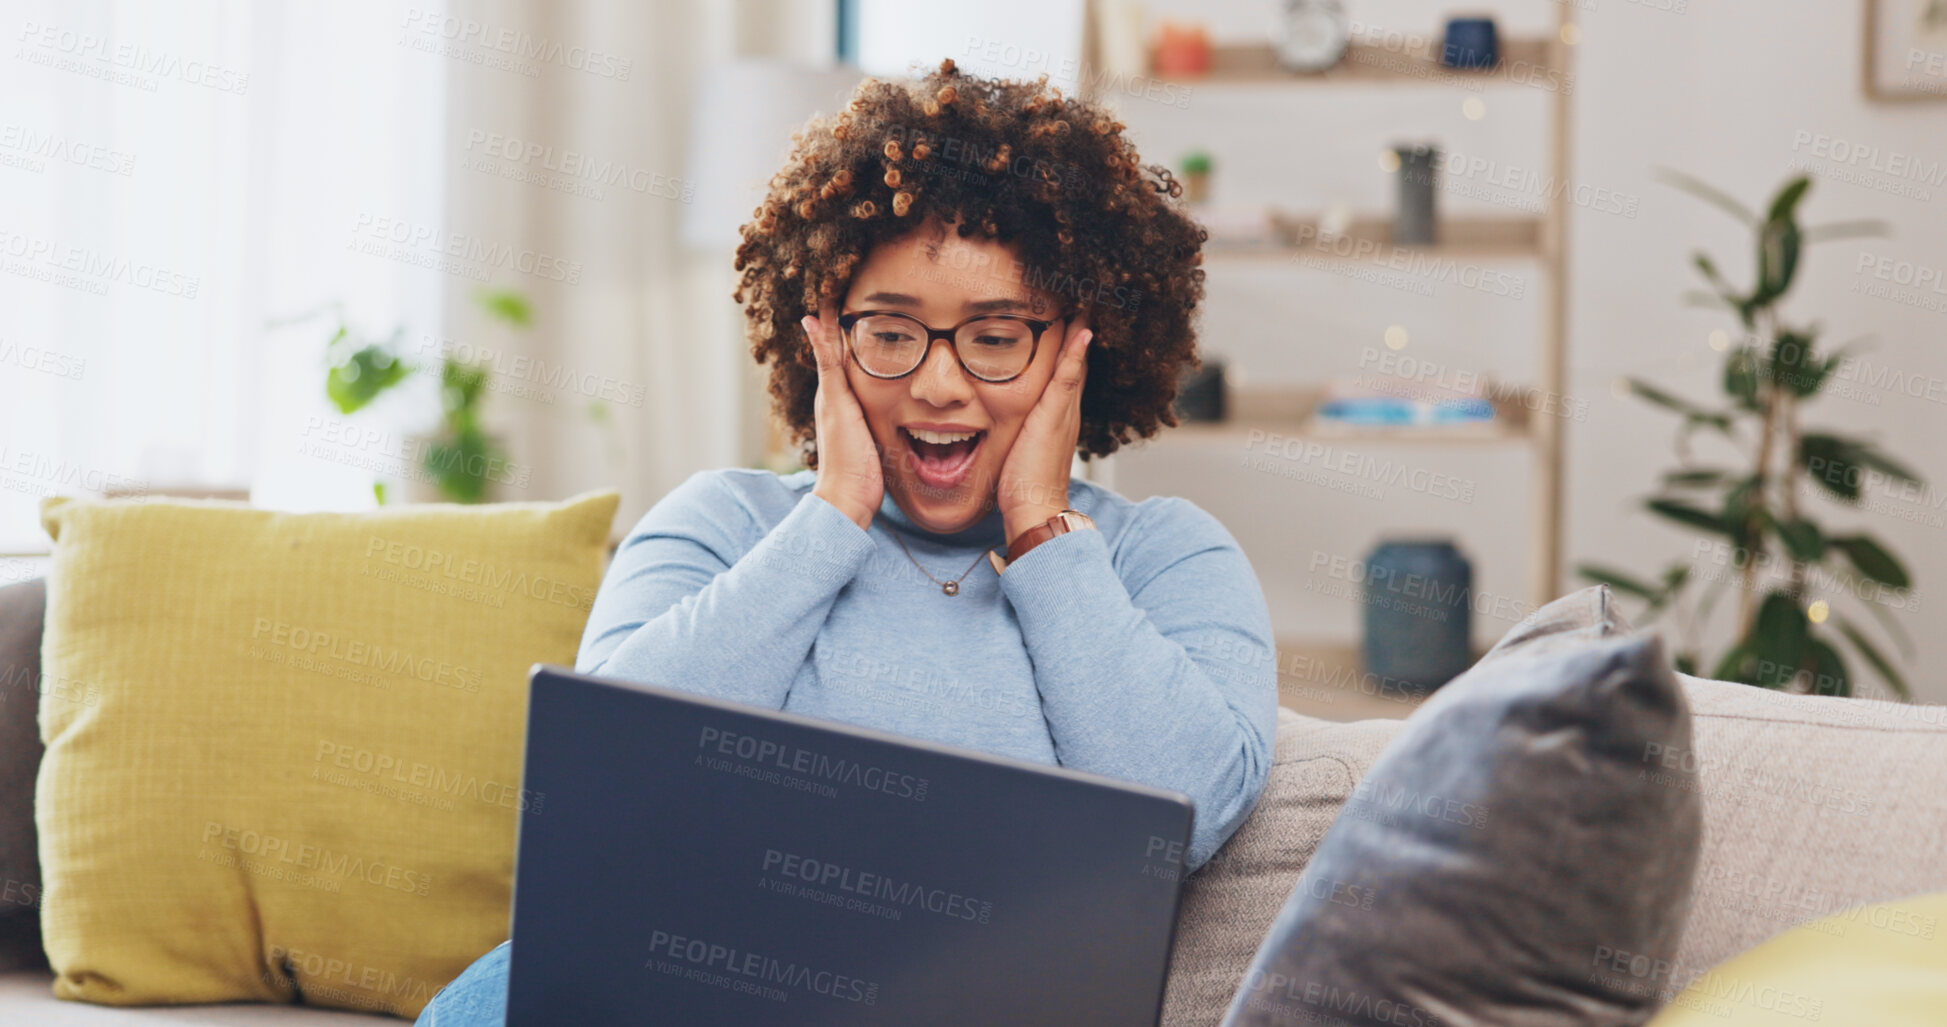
[(1060, 524)]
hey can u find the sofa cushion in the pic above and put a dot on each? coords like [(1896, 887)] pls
[(1758, 873), (21, 610), (1504, 843), (1881, 964), (283, 762), (27, 998)]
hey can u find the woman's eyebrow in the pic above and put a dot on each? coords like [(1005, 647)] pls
[(989, 306), (897, 299)]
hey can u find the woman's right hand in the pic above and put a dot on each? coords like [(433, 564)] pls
[(849, 471)]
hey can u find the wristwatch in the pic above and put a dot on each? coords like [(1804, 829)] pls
[(1060, 524)]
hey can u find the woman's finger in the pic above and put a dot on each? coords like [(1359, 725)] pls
[(1073, 369)]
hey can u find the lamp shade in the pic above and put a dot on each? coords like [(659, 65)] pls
[(740, 133)]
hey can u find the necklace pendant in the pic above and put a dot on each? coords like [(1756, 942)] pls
[(951, 588)]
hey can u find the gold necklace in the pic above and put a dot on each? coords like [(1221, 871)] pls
[(951, 588)]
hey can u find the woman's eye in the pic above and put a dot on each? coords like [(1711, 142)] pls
[(995, 340), (891, 338)]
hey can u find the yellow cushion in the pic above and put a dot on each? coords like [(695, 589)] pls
[(284, 750), (1884, 965)]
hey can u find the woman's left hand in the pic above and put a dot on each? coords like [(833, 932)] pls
[(1034, 478)]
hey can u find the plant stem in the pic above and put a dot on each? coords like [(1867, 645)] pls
[(1747, 604)]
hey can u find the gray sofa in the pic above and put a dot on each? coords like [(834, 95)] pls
[(1811, 805)]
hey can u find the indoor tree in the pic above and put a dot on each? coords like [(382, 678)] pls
[(1783, 562)]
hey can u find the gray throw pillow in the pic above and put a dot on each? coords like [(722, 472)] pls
[(1521, 855), (22, 608)]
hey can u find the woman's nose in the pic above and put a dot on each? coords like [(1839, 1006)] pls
[(940, 379)]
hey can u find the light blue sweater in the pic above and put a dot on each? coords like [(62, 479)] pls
[(1141, 651)]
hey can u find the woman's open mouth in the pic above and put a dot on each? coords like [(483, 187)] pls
[(942, 459)]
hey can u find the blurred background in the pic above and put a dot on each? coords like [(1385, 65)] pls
[(327, 256)]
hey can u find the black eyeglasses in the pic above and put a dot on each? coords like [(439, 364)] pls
[(991, 347)]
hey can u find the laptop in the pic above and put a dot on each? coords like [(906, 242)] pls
[(689, 860)]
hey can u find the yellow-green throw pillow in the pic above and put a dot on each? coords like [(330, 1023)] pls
[(1883, 965), (284, 750)]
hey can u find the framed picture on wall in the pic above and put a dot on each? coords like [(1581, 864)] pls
[(1906, 49)]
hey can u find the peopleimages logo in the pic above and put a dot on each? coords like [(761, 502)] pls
[(827, 874), (273, 849), (517, 43), (761, 968), (764, 752)]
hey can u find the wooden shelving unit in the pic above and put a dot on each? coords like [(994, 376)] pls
[(1324, 680), (1522, 61), (1371, 239), (1544, 63), (1288, 412)]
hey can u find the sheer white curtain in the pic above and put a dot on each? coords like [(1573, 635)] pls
[(250, 162), (173, 177)]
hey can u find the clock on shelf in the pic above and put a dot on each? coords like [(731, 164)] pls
[(1315, 35)]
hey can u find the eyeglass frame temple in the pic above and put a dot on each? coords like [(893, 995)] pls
[(846, 321)]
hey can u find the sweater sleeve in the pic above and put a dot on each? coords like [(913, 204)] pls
[(1169, 680), (690, 603)]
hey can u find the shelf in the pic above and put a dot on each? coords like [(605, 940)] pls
[(1531, 232), (1286, 411), (1368, 240), (1524, 61), (1326, 680)]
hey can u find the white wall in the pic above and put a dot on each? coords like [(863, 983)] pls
[(1729, 91)]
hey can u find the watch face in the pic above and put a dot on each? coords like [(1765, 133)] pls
[(1315, 36)]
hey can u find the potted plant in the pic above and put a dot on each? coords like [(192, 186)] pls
[(1196, 177), (1791, 570), (459, 460)]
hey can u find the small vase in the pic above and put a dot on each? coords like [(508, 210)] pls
[(1414, 223), (1418, 623)]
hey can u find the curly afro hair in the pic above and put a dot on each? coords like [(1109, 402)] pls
[(1012, 162)]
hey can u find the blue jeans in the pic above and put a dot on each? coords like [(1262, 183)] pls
[(476, 998)]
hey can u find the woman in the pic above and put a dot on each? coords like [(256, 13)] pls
[(959, 284)]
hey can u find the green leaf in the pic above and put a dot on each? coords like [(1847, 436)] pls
[(1867, 456), (1845, 230), (1736, 665), (460, 388), (1778, 639), (378, 492), (508, 306), (1828, 461), (1828, 669), (1711, 275), (359, 378), (1699, 477), (1693, 416), (1778, 248), (1741, 377), (1839, 464), (463, 464), (1784, 206), (1873, 656), (1685, 663), (1688, 515), (1709, 194), (1893, 627), (1661, 398), (1802, 539), (1795, 366), (1701, 298), (1873, 560), (1617, 580)]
